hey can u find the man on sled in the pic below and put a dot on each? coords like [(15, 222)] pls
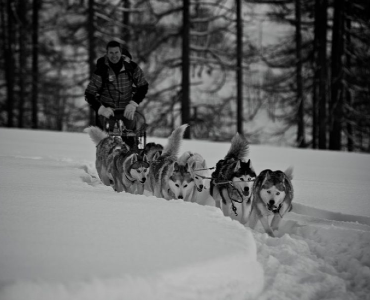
[(115, 91)]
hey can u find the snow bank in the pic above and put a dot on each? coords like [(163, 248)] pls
[(64, 235)]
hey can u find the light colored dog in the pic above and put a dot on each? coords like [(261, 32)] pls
[(232, 181), (272, 196), (162, 165), (181, 184), (116, 165), (196, 165)]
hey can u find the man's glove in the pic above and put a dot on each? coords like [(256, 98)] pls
[(106, 112), (130, 110)]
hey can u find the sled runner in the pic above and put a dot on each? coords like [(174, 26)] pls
[(135, 137)]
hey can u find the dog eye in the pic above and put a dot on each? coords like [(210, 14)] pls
[(185, 186), (268, 192), (278, 193), (241, 179), (177, 185), (196, 177)]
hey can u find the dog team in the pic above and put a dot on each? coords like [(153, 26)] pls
[(234, 185)]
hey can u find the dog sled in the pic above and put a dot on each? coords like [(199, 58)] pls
[(135, 137)]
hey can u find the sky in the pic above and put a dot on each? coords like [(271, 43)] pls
[(64, 235)]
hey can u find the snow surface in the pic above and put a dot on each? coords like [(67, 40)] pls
[(64, 235)]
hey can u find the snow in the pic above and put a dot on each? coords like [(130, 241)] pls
[(64, 235)]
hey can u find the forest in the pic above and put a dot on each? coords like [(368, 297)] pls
[(284, 72)]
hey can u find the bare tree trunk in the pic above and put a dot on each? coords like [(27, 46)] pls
[(316, 77), (35, 61), (185, 86), (9, 42), (301, 141), (239, 66), (91, 45), (322, 16), (22, 61), (126, 21), (350, 137), (336, 103)]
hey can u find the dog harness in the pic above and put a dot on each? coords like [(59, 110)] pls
[(228, 185)]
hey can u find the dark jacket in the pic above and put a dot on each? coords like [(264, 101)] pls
[(116, 91)]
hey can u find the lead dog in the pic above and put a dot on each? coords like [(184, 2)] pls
[(272, 196), (162, 165), (116, 165), (232, 181)]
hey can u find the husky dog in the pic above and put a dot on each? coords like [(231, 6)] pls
[(116, 165), (162, 165), (181, 184), (232, 181), (272, 195), (196, 165), (129, 172)]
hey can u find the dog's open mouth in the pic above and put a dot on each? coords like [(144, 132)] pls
[(273, 208), (199, 187)]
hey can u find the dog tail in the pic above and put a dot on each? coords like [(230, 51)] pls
[(239, 148), (96, 134), (174, 141)]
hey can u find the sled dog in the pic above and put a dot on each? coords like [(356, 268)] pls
[(196, 165), (181, 184), (232, 181), (116, 165), (162, 165), (272, 196)]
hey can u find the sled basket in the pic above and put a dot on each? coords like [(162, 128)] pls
[(115, 126)]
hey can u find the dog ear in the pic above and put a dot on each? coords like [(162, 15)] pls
[(145, 158), (156, 155), (176, 166), (266, 176), (237, 166), (133, 159), (289, 173), (204, 165)]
